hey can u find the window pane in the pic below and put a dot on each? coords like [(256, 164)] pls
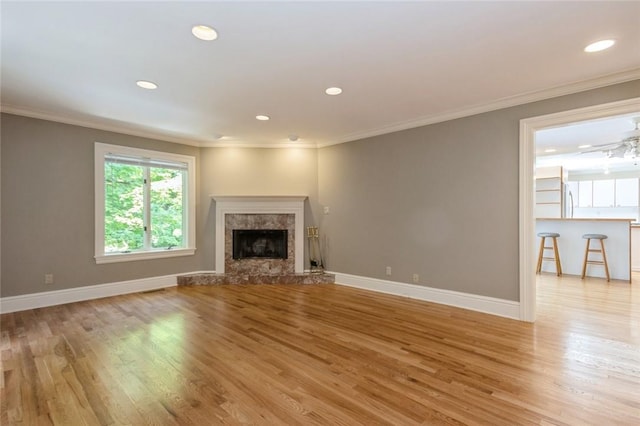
[(124, 217), (167, 207)]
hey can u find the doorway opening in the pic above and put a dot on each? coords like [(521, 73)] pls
[(528, 129)]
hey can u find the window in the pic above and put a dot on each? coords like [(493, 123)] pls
[(145, 204)]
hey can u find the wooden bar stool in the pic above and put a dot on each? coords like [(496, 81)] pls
[(601, 238), (556, 256)]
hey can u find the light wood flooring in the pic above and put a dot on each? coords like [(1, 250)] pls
[(324, 354)]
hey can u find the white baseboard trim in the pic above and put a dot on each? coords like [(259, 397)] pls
[(489, 305), (78, 294)]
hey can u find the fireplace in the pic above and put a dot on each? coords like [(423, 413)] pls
[(260, 244), (284, 214), (272, 213)]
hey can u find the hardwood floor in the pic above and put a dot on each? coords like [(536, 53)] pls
[(324, 354)]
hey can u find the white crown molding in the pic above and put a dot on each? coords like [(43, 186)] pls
[(150, 134), (488, 305), (507, 102), (580, 86)]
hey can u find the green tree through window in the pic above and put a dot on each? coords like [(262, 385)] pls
[(144, 206), (124, 215), (166, 208)]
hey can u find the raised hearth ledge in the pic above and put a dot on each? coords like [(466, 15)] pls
[(216, 279), (260, 204)]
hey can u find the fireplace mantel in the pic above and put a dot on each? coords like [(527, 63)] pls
[(259, 204)]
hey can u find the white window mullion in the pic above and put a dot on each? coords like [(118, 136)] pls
[(185, 211), (147, 208)]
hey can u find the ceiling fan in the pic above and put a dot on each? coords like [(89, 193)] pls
[(628, 146)]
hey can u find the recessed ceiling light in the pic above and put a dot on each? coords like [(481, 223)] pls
[(333, 91), (262, 117), (599, 45), (147, 84), (584, 146), (204, 33), (550, 150)]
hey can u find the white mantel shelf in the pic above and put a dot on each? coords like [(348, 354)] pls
[(258, 198), (260, 204)]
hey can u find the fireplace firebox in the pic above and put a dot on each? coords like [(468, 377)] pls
[(260, 244)]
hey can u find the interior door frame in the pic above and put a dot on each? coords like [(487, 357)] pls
[(528, 129)]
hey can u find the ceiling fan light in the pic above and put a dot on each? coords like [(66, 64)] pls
[(635, 133)]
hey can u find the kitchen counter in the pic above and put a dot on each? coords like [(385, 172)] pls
[(571, 245)]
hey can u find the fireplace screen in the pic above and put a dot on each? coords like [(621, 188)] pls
[(260, 243)]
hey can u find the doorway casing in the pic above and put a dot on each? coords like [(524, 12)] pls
[(528, 129)]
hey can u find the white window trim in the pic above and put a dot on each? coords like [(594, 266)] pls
[(101, 150)]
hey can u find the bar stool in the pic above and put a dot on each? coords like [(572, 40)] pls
[(601, 238), (554, 247)]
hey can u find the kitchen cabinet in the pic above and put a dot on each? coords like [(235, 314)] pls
[(585, 193), (607, 192), (603, 193), (627, 192)]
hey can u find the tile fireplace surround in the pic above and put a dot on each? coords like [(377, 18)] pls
[(258, 212)]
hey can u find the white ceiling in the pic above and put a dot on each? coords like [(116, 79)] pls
[(567, 139), (599, 134), (400, 64)]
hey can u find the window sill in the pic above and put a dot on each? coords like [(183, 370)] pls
[(146, 255)]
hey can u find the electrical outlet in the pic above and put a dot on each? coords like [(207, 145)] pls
[(48, 278), (388, 271), (326, 209), (416, 278)]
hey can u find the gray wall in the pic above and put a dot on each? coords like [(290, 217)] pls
[(47, 206), (440, 201)]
